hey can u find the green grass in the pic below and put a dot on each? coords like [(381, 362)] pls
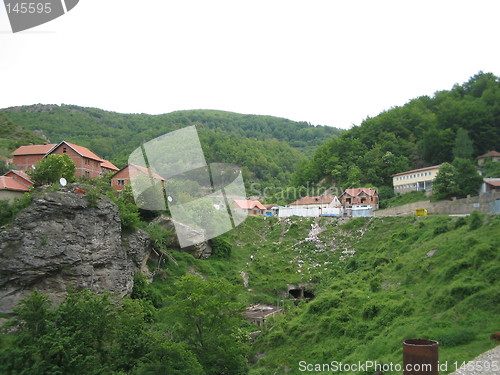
[(402, 199), (374, 284)]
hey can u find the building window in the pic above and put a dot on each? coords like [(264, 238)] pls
[(121, 182), (87, 174), (64, 150)]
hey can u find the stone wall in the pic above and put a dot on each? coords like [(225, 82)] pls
[(449, 207)]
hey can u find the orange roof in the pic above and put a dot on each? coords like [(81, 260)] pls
[(134, 168), (417, 170), (10, 183), (248, 205), (108, 165), (83, 151), (33, 150), (489, 154), (319, 199), (269, 206), (492, 181), (356, 191), (21, 174)]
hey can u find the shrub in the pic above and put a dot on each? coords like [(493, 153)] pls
[(476, 220), (454, 338), (440, 230), (221, 248), (460, 222)]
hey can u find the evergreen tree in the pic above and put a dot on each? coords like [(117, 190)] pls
[(463, 145), (467, 178)]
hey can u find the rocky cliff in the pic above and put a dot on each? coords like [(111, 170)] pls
[(61, 241)]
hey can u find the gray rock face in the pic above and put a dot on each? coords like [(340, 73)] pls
[(60, 242), (201, 250)]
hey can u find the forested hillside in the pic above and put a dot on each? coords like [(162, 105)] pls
[(13, 136), (420, 133), (268, 148)]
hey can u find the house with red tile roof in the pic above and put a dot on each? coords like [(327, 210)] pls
[(489, 156), (20, 176), (25, 157), (249, 207), (359, 196), (320, 201), (122, 178), (87, 163), (10, 188)]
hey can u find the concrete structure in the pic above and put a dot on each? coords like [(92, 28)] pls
[(359, 196), (361, 211), (415, 180), (484, 203), (259, 314), (320, 201), (489, 156)]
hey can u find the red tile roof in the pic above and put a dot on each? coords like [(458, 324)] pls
[(136, 169), (269, 206), (248, 205), (416, 170), (33, 150), (10, 183), (489, 154), (356, 191), (83, 151), (21, 174), (319, 199), (108, 165), (493, 181)]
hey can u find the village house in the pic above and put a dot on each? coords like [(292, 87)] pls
[(11, 188), (489, 156), (20, 176), (25, 157), (415, 180), (490, 185), (122, 178), (87, 163), (359, 196), (320, 201), (248, 207)]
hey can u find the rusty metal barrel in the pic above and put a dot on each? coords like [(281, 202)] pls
[(420, 357)]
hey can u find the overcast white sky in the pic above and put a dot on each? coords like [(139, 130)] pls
[(322, 61)]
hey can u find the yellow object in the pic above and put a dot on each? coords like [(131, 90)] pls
[(421, 212)]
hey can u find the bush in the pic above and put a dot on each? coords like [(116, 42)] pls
[(454, 338), (476, 220), (460, 222), (221, 248)]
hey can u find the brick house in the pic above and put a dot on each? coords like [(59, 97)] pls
[(25, 157), (87, 163), (20, 176), (122, 178), (359, 196)]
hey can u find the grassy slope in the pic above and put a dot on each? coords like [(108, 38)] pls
[(367, 304)]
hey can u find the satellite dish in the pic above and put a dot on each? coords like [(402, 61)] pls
[(63, 181), (169, 198), (33, 167)]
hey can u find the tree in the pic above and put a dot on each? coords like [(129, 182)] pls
[(51, 168), (206, 317), (463, 147), (467, 178), (445, 184)]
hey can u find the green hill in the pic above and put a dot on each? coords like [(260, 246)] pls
[(13, 135), (418, 134), (376, 282), (268, 147)]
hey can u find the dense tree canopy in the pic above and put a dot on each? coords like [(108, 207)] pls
[(462, 122)]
